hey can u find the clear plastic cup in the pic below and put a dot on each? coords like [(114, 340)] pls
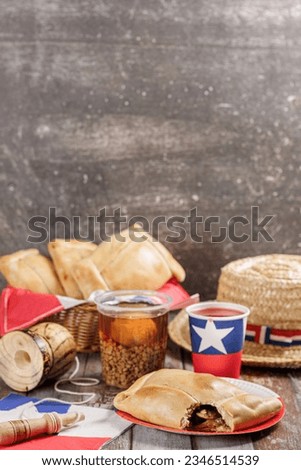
[(133, 334)]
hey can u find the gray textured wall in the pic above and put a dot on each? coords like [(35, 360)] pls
[(155, 107)]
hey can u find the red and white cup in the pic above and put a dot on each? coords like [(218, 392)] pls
[(217, 332)]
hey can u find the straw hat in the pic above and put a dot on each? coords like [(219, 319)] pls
[(270, 285)]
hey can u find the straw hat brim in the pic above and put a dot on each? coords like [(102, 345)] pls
[(270, 285), (254, 354)]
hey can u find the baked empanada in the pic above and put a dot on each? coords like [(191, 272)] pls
[(182, 399), (28, 269), (131, 259), (65, 254)]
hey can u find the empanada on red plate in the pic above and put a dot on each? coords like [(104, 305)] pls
[(187, 400)]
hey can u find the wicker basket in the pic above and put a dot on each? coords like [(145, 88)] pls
[(82, 322)]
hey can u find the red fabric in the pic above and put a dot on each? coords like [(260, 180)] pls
[(21, 308), (60, 443), (176, 291)]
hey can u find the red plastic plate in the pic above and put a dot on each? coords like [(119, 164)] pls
[(244, 385)]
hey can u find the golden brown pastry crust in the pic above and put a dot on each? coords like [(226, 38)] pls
[(64, 255), (175, 267), (28, 269), (125, 263), (172, 398), (88, 278)]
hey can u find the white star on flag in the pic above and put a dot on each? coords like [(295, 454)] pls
[(211, 336)]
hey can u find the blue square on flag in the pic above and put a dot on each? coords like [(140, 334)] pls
[(216, 336)]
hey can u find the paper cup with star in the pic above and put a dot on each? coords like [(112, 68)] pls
[(217, 331)]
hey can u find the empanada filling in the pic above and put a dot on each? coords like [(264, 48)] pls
[(204, 418)]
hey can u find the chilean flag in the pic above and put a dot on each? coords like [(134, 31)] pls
[(99, 427), (217, 345)]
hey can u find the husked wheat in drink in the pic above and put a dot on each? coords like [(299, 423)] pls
[(131, 345)]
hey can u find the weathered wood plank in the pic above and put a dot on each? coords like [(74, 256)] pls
[(243, 442), (122, 442), (147, 438), (286, 434), (4, 389), (295, 377)]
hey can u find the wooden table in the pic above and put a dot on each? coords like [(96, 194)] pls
[(284, 435)]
